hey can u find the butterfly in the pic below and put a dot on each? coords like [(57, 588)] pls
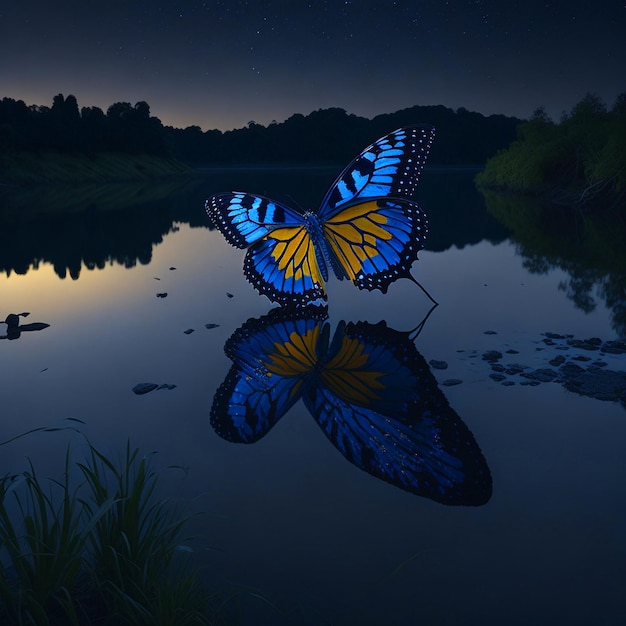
[(368, 389), (368, 229)]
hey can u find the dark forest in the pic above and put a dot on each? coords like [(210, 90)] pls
[(323, 136)]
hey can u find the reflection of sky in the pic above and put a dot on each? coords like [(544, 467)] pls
[(291, 498)]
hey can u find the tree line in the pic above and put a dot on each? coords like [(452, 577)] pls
[(579, 161), (326, 135), (64, 128)]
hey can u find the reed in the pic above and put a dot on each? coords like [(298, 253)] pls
[(97, 549)]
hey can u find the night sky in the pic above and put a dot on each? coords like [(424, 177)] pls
[(223, 64)]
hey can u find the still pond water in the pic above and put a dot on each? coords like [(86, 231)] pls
[(302, 534)]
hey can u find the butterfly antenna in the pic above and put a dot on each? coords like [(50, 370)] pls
[(415, 333), (424, 290), (295, 202)]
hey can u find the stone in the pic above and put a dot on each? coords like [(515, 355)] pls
[(556, 336), (614, 347), (598, 383), (514, 368), (583, 344), (557, 360), (542, 375), (450, 382), (438, 365), (142, 388)]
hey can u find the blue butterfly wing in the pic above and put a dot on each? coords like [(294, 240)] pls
[(272, 358), (245, 218), (376, 242), (373, 230), (389, 168), (282, 261), (285, 267), (409, 436), (245, 408)]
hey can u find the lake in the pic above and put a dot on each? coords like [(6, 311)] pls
[(300, 534)]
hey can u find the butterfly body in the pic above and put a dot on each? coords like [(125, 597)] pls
[(368, 229)]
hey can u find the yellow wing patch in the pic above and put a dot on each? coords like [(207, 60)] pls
[(295, 356), (294, 253), (346, 374), (353, 235)]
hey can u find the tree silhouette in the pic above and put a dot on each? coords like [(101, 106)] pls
[(325, 135)]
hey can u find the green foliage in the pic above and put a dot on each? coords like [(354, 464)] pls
[(105, 551), (580, 161)]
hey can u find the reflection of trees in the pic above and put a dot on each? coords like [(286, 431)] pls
[(456, 211), (591, 251), (92, 226), (114, 224), (93, 241)]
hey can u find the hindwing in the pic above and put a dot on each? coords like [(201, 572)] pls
[(374, 243)]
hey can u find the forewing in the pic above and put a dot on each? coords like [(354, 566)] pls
[(390, 167), (245, 218), (374, 243), (272, 357), (246, 407)]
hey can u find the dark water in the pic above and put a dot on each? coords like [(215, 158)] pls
[(305, 536)]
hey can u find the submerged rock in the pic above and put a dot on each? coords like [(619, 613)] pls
[(614, 347), (438, 365), (542, 375), (598, 383), (141, 388), (571, 367)]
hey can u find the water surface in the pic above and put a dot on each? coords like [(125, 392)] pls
[(288, 517)]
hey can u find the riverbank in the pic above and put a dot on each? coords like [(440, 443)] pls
[(579, 162), (38, 168)]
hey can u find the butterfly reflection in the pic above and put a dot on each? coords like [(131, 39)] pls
[(369, 390), (368, 228)]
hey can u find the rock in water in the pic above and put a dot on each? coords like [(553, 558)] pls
[(142, 388)]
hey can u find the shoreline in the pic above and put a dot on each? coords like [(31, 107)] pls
[(24, 169)]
